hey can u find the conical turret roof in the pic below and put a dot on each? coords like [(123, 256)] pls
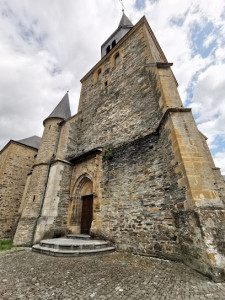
[(62, 110), (125, 22)]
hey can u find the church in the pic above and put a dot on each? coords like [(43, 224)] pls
[(130, 167)]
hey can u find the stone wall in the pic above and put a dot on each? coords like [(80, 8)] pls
[(32, 205), (49, 140), (139, 190), (201, 236), (53, 220), (202, 215), (70, 137), (126, 107), (16, 161)]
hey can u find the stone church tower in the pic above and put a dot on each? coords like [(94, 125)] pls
[(131, 166)]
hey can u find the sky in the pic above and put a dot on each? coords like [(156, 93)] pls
[(46, 47)]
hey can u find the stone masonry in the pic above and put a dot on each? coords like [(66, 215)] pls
[(16, 162), (138, 153)]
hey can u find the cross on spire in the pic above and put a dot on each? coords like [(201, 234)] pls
[(121, 2)]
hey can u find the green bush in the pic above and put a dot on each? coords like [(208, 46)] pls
[(5, 245), (109, 153)]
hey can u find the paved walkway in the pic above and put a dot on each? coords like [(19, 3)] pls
[(28, 275)]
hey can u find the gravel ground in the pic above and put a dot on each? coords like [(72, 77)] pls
[(28, 275)]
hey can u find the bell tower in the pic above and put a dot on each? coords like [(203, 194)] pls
[(124, 27)]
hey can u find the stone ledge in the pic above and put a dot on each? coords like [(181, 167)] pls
[(160, 65), (82, 156), (171, 110)]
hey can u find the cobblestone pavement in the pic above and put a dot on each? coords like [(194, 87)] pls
[(28, 275)]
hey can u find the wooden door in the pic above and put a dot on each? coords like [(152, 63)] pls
[(87, 214)]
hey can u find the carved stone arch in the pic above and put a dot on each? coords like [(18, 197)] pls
[(82, 187)]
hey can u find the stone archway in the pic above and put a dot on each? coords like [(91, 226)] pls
[(81, 207)]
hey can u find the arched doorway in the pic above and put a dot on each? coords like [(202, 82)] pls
[(81, 211)]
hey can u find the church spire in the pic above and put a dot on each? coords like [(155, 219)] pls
[(124, 27), (62, 110), (125, 22)]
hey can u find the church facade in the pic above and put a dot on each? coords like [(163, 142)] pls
[(131, 166)]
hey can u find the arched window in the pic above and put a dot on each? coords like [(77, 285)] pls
[(113, 43), (117, 58), (99, 75), (108, 49)]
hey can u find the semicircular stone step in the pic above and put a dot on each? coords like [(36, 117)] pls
[(73, 244), (79, 236), (68, 253)]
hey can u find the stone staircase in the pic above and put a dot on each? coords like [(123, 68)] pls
[(73, 245)]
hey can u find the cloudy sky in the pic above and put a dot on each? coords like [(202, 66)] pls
[(46, 47)]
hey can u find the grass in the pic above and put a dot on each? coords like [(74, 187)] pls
[(5, 245)]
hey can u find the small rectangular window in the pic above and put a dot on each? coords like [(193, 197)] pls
[(117, 58), (99, 75)]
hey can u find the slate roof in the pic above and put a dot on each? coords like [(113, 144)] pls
[(33, 141), (125, 22), (62, 110)]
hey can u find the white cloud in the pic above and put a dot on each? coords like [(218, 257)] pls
[(209, 40), (209, 103), (46, 47), (220, 161)]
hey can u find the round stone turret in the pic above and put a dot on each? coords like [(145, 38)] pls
[(51, 132)]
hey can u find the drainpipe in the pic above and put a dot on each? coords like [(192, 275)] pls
[(45, 185)]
